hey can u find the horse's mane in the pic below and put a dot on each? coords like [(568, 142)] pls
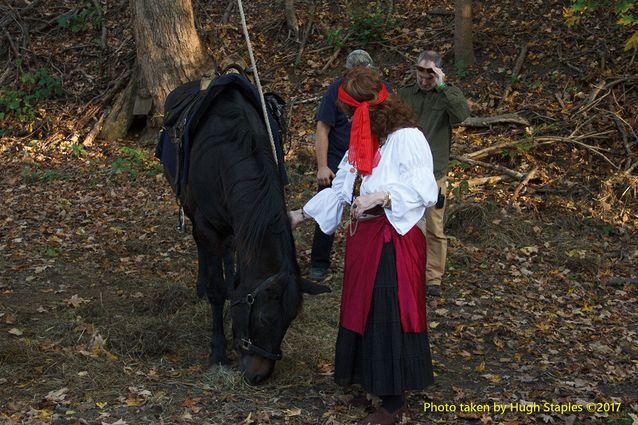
[(251, 177), (267, 212)]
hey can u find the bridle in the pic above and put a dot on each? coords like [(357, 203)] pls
[(249, 299)]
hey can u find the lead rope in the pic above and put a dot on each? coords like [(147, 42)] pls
[(254, 65)]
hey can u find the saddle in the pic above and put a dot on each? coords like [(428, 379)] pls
[(186, 105)]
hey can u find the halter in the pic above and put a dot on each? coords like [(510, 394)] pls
[(246, 343)]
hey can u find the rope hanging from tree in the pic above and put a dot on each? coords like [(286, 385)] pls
[(254, 66)]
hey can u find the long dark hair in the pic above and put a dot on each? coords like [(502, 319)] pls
[(364, 84)]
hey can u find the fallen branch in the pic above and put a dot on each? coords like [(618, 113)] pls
[(119, 83), (548, 140), (309, 100), (440, 11), (621, 281), (591, 105), (97, 128), (505, 170), (100, 13), (407, 57), (5, 20), (479, 181), (524, 183), (560, 99), (11, 43), (498, 147), (336, 52), (623, 132), (592, 98), (291, 18), (517, 69), (5, 74), (566, 63), (294, 102), (597, 89), (228, 11), (496, 119), (631, 169), (306, 32), (620, 124)]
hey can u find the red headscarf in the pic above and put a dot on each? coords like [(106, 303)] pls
[(363, 144)]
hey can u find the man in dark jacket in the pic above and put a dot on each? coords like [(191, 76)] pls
[(438, 107), (331, 143)]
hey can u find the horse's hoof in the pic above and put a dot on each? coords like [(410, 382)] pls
[(217, 361)]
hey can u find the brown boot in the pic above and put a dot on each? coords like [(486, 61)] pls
[(382, 417)]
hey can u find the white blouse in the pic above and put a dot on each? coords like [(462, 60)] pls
[(405, 170)]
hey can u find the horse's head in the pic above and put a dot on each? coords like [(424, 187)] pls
[(261, 318)]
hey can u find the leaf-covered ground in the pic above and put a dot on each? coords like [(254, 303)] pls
[(98, 318)]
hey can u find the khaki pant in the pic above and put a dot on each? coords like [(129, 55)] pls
[(435, 238)]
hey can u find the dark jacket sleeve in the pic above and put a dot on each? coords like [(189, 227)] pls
[(456, 105)]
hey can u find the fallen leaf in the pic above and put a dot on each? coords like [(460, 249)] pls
[(469, 415), (292, 412), (15, 331), (75, 301), (57, 396), (118, 422)]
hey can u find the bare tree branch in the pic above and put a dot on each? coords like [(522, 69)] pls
[(497, 167)]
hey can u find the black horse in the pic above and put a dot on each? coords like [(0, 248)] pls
[(234, 189)]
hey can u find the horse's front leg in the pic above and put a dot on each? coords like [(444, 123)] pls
[(210, 282), (218, 342), (216, 294)]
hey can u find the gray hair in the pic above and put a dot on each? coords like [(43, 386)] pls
[(359, 58), (430, 55)]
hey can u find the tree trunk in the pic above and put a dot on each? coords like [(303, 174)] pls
[(169, 51), (291, 18), (463, 49)]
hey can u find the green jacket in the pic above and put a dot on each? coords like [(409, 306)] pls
[(436, 112)]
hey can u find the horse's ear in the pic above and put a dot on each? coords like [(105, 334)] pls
[(312, 288)]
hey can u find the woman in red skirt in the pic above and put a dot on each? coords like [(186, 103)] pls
[(387, 179)]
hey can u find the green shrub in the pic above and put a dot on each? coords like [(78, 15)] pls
[(368, 27), (335, 37), (20, 104), (621, 8), (36, 173), (86, 19), (133, 162)]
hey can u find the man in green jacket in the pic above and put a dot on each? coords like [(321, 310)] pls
[(438, 106)]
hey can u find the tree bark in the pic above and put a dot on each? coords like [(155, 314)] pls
[(463, 48), (169, 51), (291, 18)]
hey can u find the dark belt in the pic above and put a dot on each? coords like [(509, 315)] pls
[(372, 213)]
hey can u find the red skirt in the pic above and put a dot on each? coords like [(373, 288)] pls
[(363, 251)]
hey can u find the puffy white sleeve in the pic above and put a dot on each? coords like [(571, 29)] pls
[(326, 207), (416, 188)]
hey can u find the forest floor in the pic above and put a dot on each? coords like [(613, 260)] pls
[(99, 322)]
